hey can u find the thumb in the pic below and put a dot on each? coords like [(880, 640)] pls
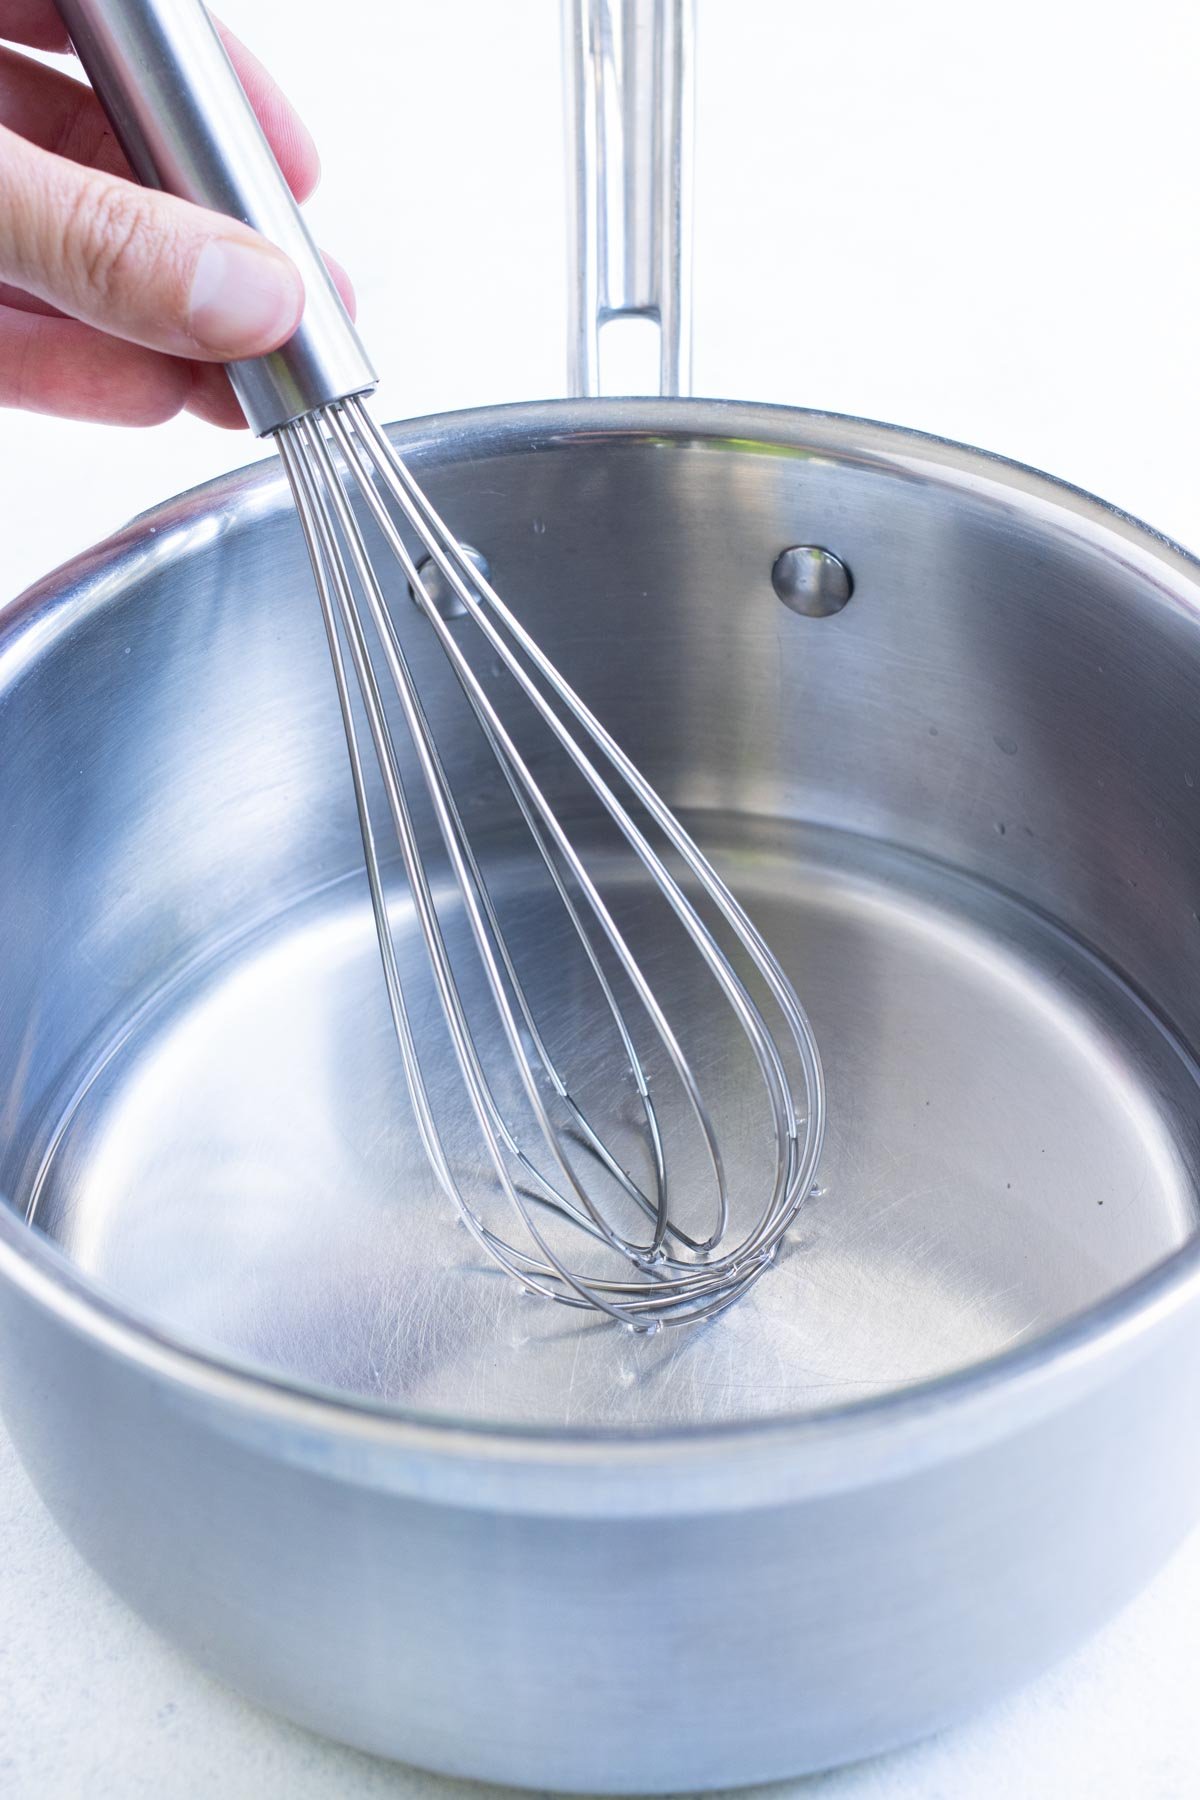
[(139, 264)]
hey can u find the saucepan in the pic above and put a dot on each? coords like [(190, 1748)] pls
[(935, 717)]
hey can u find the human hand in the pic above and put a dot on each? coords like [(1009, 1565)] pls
[(119, 303)]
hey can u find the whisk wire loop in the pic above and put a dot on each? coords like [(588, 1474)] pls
[(328, 513), (675, 1276)]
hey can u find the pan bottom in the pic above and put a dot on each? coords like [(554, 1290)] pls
[(1010, 1138)]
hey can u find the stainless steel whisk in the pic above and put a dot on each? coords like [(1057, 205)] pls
[(163, 77)]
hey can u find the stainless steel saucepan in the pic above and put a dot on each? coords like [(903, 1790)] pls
[(935, 716)]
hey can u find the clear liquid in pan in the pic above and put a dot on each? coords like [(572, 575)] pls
[(1002, 1150)]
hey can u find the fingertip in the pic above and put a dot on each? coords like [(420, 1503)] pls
[(284, 129), (297, 155), (212, 398), (342, 283), (156, 408)]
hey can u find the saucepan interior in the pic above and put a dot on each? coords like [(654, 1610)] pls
[(962, 809)]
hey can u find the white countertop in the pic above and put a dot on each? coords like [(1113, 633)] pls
[(973, 221)]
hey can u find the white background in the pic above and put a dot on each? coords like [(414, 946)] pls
[(977, 220)]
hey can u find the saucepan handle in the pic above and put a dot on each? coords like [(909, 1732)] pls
[(629, 147), (162, 75)]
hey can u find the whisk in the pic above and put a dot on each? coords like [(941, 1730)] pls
[(175, 101)]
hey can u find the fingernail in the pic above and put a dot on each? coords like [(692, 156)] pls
[(245, 300)]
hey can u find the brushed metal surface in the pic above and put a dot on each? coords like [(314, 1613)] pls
[(1008, 1145), (953, 1430), (629, 92)]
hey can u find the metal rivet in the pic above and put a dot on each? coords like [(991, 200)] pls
[(442, 595), (811, 581)]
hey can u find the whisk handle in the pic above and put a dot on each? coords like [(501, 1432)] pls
[(181, 114)]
